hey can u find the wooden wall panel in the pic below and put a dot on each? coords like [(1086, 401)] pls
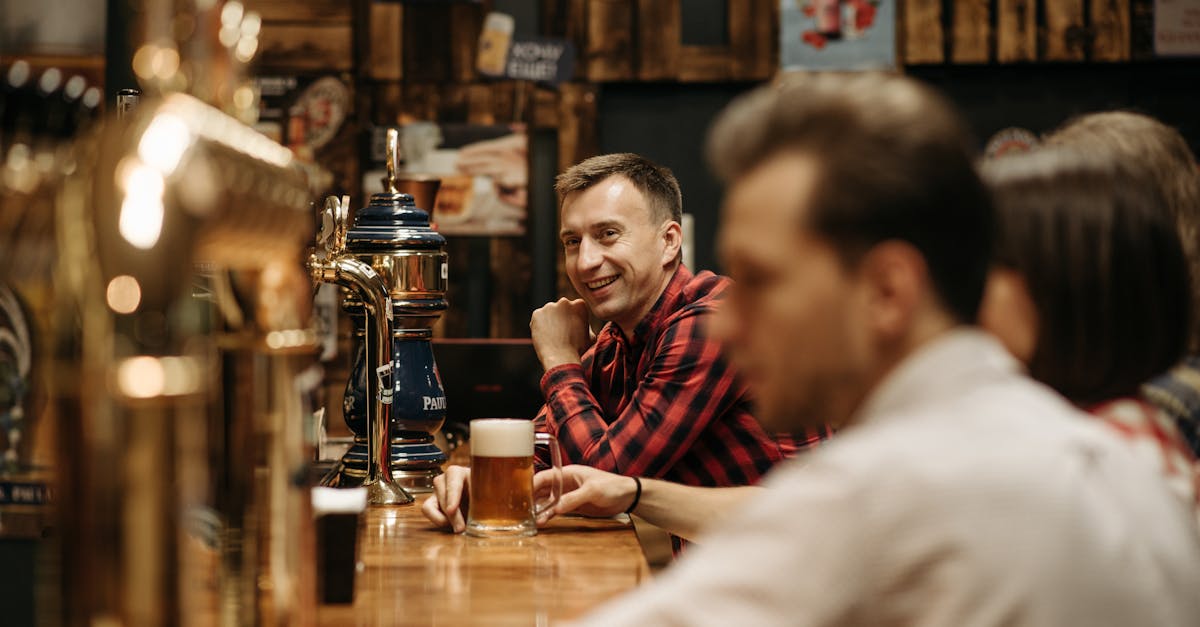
[(512, 276), (384, 52), (1016, 30), (421, 101), (426, 42), (1141, 29), (1110, 25), (753, 33), (971, 40), (1064, 30), (576, 16), (553, 14), (705, 64), (609, 53), (923, 39), (577, 124), (306, 47), (324, 11), (510, 100), (659, 35), (466, 22), (546, 113), (386, 101), (479, 104)]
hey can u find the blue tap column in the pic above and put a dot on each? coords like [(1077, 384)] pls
[(394, 236)]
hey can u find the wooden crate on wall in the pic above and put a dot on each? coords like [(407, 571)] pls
[(625, 40), (1014, 31)]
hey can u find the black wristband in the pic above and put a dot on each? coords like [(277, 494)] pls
[(637, 496)]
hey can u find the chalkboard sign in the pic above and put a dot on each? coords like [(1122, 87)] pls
[(540, 59)]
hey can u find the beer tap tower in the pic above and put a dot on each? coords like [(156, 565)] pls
[(392, 235)]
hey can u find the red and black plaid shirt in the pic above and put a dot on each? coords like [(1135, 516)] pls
[(663, 404)]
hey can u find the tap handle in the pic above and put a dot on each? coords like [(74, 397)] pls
[(334, 223), (393, 160), (341, 223)]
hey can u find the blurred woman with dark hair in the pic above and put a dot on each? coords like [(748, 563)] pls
[(1159, 153), (1091, 290)]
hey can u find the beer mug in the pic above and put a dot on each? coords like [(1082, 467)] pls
[(501, 489)]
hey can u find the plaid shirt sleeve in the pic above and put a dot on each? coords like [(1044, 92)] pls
[(686, 387)]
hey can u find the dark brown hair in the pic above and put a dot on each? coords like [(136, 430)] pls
[(894, 163), (1156, 152), (656, 183), (1101, 256)]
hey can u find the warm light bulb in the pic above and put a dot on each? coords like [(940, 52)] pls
[(124, 294)]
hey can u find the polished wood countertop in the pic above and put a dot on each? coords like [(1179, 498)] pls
[(415, 574)]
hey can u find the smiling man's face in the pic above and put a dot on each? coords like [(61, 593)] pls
[(617, 258)]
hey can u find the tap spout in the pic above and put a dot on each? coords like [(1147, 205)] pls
[(362, 279)]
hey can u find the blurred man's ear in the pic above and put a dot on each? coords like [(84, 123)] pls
[(897, 282), (672, 235)]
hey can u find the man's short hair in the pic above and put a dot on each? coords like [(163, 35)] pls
[(1101, 257), (894, 162), (1157, 152), (656, 183)]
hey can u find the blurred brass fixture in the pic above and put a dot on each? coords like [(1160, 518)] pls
[(184, 341), (39, 112)]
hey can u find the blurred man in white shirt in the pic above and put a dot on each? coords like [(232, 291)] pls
[(958, 492)]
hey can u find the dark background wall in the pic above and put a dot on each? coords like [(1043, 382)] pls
[(667, 122)]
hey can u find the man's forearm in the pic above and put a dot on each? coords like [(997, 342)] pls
[(687, 511)]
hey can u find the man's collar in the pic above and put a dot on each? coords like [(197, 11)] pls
[(666, 303), (954, 360)]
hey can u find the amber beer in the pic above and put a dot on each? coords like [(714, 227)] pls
[(501, 488)]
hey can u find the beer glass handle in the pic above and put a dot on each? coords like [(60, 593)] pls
[(556, 461)]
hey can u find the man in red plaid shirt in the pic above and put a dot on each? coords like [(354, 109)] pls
[(650, 395)]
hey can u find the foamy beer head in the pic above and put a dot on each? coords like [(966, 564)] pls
[(501, 489), (498, 437)]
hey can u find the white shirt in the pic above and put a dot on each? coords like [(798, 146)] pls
[(965, 495)]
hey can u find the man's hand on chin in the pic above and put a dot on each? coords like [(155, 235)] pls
[(560, 332)]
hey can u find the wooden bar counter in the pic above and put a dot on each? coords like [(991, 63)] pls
[(415, 574)]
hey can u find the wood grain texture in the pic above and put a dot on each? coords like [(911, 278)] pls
[(705, 64), (1141, 29), (545, 108), (553, 17), (577, 124), (1065, 37), (923, 37), (386, 101), (608, 54), (753, 37), (972, 34), (512, 276), (479, 104), (659, 35), (316, 47), (1016, 30), (1111, 30), (417, 575), (426, 42), (511, 100), (466, 22), (324, 11), (384, 58)]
